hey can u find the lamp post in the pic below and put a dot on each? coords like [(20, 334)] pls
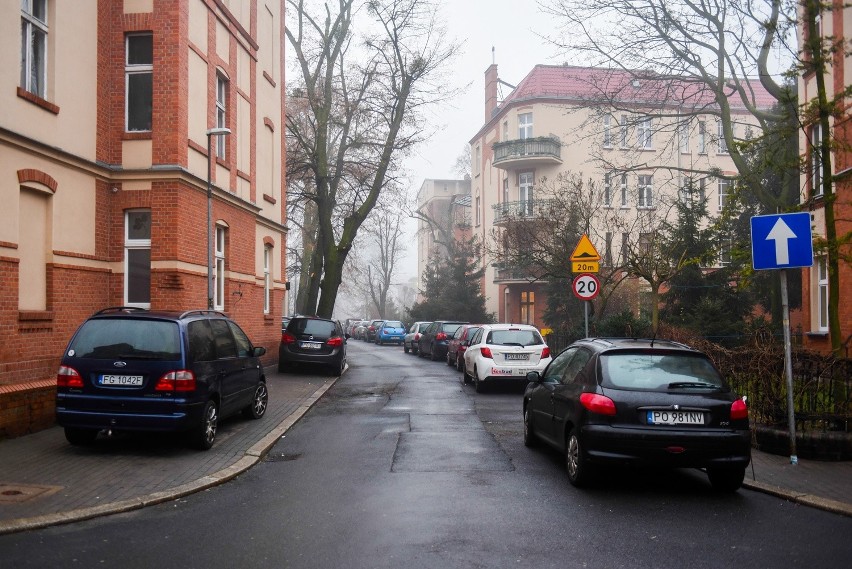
[(210, 134)]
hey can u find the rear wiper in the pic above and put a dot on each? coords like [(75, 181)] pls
[(696, 384), (512, 344)]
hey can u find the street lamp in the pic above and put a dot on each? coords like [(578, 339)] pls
[(219, 131)]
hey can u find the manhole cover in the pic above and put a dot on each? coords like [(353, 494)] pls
[(281, 457), (14, 493)]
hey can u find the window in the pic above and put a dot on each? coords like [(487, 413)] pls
[(219, 271), (525, 125), (646, 191), (645, 243), (624, 190), (624, 247), (720, 133), (645, 133), (575, 366), (527, 307), (607, 191), (505, 190), (139, 82), (725, 251), (624, 132), (221, 114), (525, 185), (478, 219), (607, 131), (816, 159), (702, 137), (477, 164), (724, 193), (137, 258), (34, 46), (267, 278), (683, 133), (505, 130), (822, 294)]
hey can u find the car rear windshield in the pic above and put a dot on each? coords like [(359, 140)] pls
[(393, 324), (514, 338), (103, 339), (313, 327), (450, 329), (659, 371)]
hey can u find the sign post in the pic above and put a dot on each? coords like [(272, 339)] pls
[(585, 259), (780, 242)]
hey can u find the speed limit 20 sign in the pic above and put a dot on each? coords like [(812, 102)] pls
[(586, 287)]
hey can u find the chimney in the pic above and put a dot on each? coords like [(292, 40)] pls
[(490, 91)]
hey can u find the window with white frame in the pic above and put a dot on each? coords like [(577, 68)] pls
[(525, 125), (644, 131), (702, 137), (646, 243), (34, 46), (625, 249), (822, 294), (725, 247), (683, 135), (221, 114), (724, 187), (139, 82), (525, 191), (720, 134), (815, 140), (607, 190), (137, 258), (607, 130), (478, 218), (267, 278), (625, 132), (505, 130), (505, 190), (477, 164), (646, 191), (624, 190), (527, 307), (219, 270)]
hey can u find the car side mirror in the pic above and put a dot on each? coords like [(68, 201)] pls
[(533, 377), (347, 336), (259, 351)]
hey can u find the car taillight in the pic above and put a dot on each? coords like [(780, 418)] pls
[(598, 403), (288, 338), (68, 377), (416, 336), (545, 352), (335, 342), (739, 410), (180, 380), (486, 352), (440, 336)]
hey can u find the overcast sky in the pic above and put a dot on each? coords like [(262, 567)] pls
[(512, 28)]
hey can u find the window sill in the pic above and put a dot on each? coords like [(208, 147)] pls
[(137, 135), (38, 101), (817, 334)]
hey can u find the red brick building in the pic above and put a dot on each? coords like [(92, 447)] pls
[(104, 173)]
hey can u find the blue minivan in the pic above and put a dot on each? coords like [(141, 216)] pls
[(131, 369)]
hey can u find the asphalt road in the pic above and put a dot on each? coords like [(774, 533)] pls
[(400, 465)]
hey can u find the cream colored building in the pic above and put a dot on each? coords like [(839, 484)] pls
[(627, 134), (104, 173)]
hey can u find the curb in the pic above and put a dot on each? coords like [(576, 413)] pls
[(251, 457), (802, 498)]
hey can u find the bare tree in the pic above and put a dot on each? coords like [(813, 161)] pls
[(363, 88), (384, 235)]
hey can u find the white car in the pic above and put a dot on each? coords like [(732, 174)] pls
[(504, 352)]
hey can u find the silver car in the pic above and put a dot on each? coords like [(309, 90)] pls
[(409, 343)]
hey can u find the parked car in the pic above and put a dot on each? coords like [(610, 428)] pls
[(131, 369), (412, 338), (458, 344), (390, 331), (504, 353), (371, 330), (313, 340), (360, 330), (633, 401), (434, 339)]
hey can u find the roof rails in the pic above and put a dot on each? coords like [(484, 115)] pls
[(610, 341), (202, 313), (120, 309)]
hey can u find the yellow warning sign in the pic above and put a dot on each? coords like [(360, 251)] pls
[(585, 251)]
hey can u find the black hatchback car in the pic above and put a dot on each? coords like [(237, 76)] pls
[(644, 402), (313, 340), (130, 369)]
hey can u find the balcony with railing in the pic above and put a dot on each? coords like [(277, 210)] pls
[(526, 209), (505, 273), (527, 153)]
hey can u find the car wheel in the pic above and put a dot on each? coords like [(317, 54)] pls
[(415, 350), (530, 439), (465, 376), (726, 479), (259, 402), (405, 347), (479, 386), (204, 434), (432, 355), (579, 471), (80, 437), (459, 364), (450, 362)]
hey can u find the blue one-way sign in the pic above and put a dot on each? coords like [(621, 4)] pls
[(781, 241)]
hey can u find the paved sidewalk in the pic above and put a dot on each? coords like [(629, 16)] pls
[(45, 481)]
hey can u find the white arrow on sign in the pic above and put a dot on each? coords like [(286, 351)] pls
[(781, 234)]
